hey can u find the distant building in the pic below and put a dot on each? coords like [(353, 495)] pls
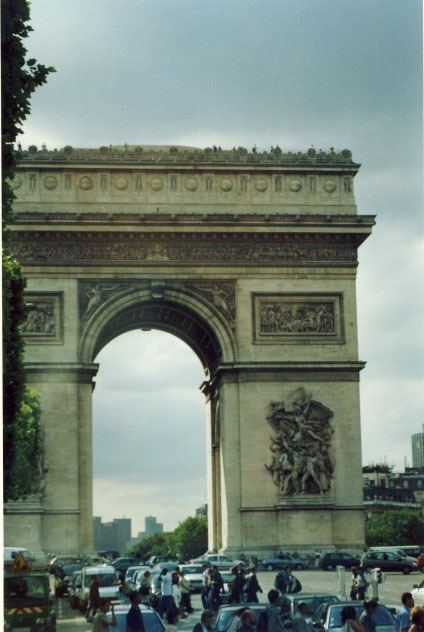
[(385, 489), (111, 536), (151, 526), (418, 449)]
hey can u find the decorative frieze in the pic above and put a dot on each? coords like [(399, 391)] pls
[(162, 249), (44, 317), (301, 462), (291, 318)]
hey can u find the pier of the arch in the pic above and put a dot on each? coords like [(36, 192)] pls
[(251, 260)]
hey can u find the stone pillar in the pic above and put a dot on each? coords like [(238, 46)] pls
[(65, 394)]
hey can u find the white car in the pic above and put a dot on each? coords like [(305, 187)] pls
[(328, 617), (132, 574), (193, 574), (108, 584), (215, 559), (418, 594)]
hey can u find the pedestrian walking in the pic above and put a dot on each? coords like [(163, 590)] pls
[(403, 617), (251, 587), (134, 618), (204, 595), (293, 584), (361, 585), (237, 583), (216, 586), (166, 601), (185, 603), (281, 580), (172, 618), (353, 583), (101, 620)]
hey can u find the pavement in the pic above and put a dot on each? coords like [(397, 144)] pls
[(312, 581)]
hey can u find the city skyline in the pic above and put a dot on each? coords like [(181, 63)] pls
[(295, 73)]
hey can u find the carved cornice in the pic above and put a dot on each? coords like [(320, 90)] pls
[(186, 155), (165, 249)]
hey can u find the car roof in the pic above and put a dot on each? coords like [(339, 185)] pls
[(99, 570)]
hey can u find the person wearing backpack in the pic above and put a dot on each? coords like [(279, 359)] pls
[(281, 580), (293, 584)]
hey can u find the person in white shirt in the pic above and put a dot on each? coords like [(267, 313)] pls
[(167, 601)]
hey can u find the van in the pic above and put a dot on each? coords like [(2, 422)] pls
[(108, 584), (389, 560), (28, 603)]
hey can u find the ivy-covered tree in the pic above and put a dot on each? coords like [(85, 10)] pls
[(20, 77)]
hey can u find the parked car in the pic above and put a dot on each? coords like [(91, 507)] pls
[(277, 562), (328, 617), (389, 561), (418, 594), (290, 603), (193, 574), (28, 604), (151, 620), (131, 575), (331, 560), (108, 584), (226, 613), (157, 559), (215, 559), (123, 563), (74, 588)]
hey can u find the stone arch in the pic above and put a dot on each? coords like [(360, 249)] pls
[(179, 311)]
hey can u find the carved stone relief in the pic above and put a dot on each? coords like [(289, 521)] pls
[(187, 248), (44, 317), (94, 293), (297, 318), (301, 461)]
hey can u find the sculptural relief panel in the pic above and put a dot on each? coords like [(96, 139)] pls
[(44, 317), (297, 318), (302, 462)]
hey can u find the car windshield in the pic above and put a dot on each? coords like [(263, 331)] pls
[(313, 602), (105, 579), (381, 616), (31, 588)]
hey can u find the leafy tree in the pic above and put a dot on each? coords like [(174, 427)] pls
[(27, 465), (397, 526), (20, 77), (191, 537), (188, 540)]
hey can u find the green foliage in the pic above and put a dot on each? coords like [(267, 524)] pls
[(397, 526), (189, 540), (20, 77), (191, 537), (26, 468), (13, 375)]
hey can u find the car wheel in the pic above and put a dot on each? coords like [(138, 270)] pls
[(330, 567), (269, 567), (299, 567), (406, 570)]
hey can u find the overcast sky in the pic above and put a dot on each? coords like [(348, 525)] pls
[(342, 73)]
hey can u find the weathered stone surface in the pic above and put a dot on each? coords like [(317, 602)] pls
[(251, 259)]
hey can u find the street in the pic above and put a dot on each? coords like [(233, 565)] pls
[(312, 581)]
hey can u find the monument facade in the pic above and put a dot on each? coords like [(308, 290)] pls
[(250, 258)]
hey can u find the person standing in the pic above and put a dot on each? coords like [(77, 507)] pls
[(281, 580), (349, 621), (134, 617), (185, 594), (237, 583), (366, 618), (274, 621), (353, 583), (403, 617), (101, 620), (93, 598), (206, 622), (361, 585), (300, 623), (166, 601), (251, 587), (217, 585), (204, 595)]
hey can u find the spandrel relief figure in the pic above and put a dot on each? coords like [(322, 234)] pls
[(301, 460)]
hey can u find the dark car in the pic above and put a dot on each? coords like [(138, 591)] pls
[(331, 560), (123, 563), (63, 576), (277, 562), (389, 561)]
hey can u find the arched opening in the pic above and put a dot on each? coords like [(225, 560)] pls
[(195, 321), (149, 434)]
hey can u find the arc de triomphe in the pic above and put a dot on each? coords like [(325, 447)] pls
[(250, 257)]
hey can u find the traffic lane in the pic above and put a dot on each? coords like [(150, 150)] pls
[(390, 590), (68, 619)]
